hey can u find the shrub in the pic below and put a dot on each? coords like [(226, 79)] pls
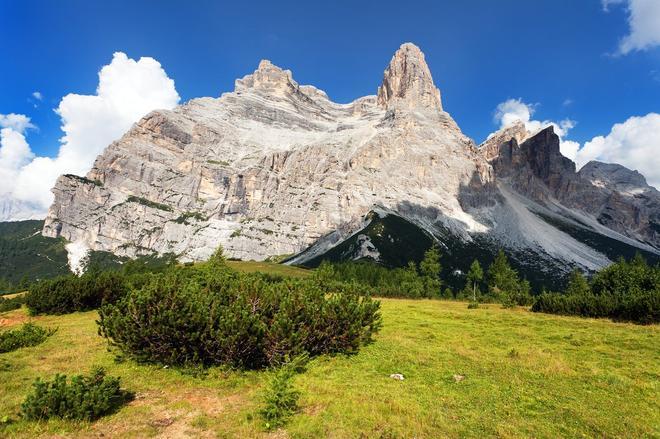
[(185, 217), (82, 398), (505, 286), (473, 305), (66, 294), (27, 335), (213, 315), (623, 291), (148, 203), (280, 398), (11, 304)]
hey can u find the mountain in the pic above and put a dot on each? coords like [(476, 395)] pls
[(13, 210), (277, 168)]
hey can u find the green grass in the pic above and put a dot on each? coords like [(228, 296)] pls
[(526, 375)]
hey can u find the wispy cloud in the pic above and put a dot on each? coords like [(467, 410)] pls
[(643, 21)]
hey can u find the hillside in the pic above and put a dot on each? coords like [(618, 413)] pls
[(26, 254), (526, 375), (392, 241)]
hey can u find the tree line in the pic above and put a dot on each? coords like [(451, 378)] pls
[(498, 283), (625, 290)]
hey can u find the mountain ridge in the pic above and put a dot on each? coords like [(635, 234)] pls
[(275, 167)]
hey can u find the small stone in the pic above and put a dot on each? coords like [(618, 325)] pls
[(397, 376), (163, 422), (459, 378)]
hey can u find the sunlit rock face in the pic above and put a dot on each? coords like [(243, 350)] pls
[(275, 167)]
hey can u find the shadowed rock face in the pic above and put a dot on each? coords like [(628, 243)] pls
[(613, 195), (535, 168), (275, 167)]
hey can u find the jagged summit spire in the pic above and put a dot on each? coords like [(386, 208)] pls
[(407, 82), (267, 76)]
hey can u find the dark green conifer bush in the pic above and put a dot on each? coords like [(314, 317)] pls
[(11, 303), (213, 315), (82, 398), (27, 335), (622, 291), (66, 294)]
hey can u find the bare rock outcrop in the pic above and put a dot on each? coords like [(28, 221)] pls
[(407, 82), (611, 194)]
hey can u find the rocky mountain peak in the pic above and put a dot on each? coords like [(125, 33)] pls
[(517, 131), (407, 81), (612, 174), (268, 76)]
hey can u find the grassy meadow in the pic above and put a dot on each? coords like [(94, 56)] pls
[(525, 375)]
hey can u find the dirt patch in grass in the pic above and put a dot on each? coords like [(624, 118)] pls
[(13, 318)]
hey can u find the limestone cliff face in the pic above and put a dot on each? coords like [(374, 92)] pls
[(275, 168), (408, 83), (270, 168)]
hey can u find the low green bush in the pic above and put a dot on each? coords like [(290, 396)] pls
[(100, 284), (12, 303), (628, 291), (82, 398), (210, 314), (66, 294), (27, 335)]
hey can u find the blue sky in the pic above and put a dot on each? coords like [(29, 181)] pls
[(480, 52), (562, 57)]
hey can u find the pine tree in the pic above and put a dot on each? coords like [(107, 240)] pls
[(501, 276), (411, 283), (430, 270), (504, 283), (474, 277), (218, 259), (577, 284)]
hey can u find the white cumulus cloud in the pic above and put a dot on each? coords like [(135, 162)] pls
[(644, 23), (512, 110), (634, 144), (127, 90), (16, 122), (14, 154)]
